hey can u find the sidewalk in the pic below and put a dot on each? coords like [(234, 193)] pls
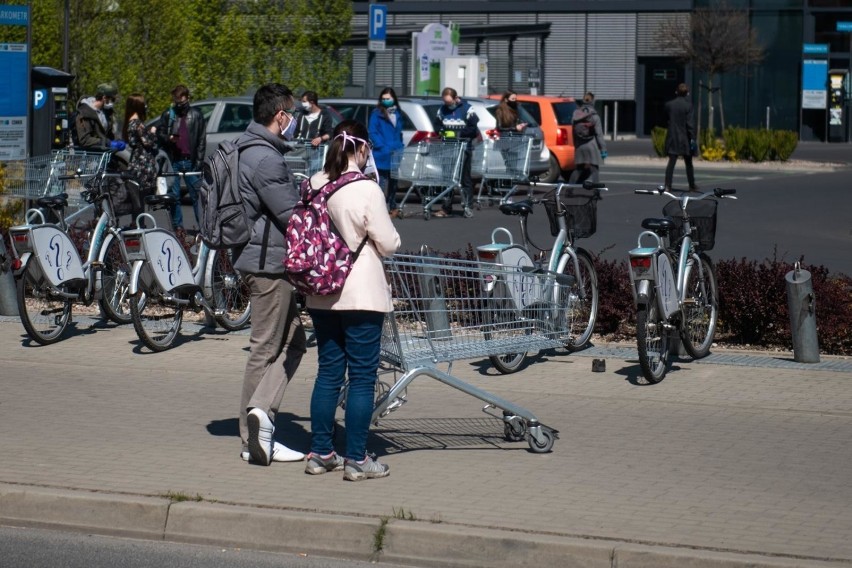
[(721, 464)]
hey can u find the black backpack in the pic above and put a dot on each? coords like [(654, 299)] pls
[(223, 221)]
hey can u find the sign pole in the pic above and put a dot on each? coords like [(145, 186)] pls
[(376, 42)]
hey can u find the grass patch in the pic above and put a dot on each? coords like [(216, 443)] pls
[(179, 497), (404, 515)]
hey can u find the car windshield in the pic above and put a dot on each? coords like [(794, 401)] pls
[(564, 111), (523, 114)]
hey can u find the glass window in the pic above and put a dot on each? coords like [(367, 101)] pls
[(235, 118), (533, 108), (347, 111), (564, 112), (206, 110)]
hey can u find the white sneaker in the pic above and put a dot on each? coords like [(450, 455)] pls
[(260, 430), (280, 453)]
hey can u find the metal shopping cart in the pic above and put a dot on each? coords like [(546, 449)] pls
[(502, 162), (40, 176), (304, 158), (448, 309), (432, 168)]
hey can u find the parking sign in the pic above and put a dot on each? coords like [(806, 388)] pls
[(378, 27)]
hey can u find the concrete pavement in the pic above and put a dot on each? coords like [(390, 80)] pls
[(721, 464)]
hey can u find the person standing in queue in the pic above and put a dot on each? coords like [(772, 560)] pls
[(349, 324), (458, 121), (386, 137), (183, 134)]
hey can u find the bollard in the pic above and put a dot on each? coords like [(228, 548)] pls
[(801, 304), (8, 295)]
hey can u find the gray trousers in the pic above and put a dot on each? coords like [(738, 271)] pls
[(277, 345)]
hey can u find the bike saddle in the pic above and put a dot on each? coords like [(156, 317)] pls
[(53, 201), (663, 225), (519, 208), (156, 200)]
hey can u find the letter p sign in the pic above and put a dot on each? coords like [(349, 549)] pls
[(378, 22), (39, 98)]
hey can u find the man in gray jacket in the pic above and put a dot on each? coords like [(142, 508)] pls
[(269, 193)]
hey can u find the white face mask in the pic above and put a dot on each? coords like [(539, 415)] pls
[(287, 131), (109, 106), (306, 105)]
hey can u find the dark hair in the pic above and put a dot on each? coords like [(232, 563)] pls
[(682, 90), (135, 105), (180, 91), (311, 96), (387, 91), (337, 160), (506, 116), (589, 97), (449, 91), (269, 100)]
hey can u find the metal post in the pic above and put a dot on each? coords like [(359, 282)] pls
[(801, 304), (370, 79), (615, 120), (767, 118), (66, 49), (8, 295), (606, 119)]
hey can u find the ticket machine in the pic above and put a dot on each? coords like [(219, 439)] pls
[(51, 110)]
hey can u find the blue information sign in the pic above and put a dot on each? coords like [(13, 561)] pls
[(378, 27), (844, 26), (11, 15), (815, 48), (814, 83)]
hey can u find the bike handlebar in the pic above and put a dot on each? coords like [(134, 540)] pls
[(717, 192), (179, 174)]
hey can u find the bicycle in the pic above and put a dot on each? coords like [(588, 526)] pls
[(571, 216), (163, 284), (49, 274), (674, 283)]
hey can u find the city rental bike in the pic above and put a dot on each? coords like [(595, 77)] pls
[(49, 272), (674, 283), (572, 214)]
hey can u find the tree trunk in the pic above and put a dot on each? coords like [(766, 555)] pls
[(710, 123), (698, 114), (721, 109)]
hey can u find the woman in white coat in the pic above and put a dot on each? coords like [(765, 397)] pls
[(348, 325)]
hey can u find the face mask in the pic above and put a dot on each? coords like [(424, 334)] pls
[(109, 106), (287, 131), (306, 105), (452, 106), (369, 168), (387, 103), (513, 104), (182, 107)]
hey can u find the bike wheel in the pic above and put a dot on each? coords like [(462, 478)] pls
[(584, 311), (44, 314), (502, 323), (652, 342), (156, 318), (115, 281), (231, 295), (700, 309)]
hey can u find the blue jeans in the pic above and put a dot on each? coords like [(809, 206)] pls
[(346, 339), (192, 183), (389, 186)]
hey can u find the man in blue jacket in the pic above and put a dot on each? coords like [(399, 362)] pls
[(386, 137), (458, 121)]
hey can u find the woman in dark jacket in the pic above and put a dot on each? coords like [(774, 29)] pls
[(508, 119), (680, 138), (386, 137)]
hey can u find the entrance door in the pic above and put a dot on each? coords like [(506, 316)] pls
[(662, 76)]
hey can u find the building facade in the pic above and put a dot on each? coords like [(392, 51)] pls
[(610, 47)]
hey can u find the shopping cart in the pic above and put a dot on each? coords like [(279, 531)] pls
[(447, 310), (432, 168), (41, 176), (502, 162), (305, 159)]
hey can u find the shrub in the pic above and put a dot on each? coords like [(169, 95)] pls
[(711, 147), (658, 139), (736, 143), (784, 143), (615, 298), (759, 144), (10, 209)]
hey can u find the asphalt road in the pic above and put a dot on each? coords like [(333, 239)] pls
[(794, 213), (32, 548)]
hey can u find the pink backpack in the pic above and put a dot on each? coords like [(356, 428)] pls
[(318, 260)]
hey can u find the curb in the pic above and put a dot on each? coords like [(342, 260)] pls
[(795, 167), (415, 543)]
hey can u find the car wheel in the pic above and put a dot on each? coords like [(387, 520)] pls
[(552, 173)]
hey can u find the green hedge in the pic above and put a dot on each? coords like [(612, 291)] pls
[(738, 144)]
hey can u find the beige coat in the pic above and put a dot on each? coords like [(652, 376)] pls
[(358, 209)]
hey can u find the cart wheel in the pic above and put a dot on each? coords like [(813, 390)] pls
[(478, 205), (427, 214), (401, 214), (546, 446), (514, 430)]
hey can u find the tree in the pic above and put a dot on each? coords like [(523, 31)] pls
[(718, 39)]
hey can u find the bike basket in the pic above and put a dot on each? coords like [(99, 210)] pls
[(581, 210), (702, 217)]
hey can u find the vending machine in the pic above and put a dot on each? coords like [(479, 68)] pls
[(467, 75)]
